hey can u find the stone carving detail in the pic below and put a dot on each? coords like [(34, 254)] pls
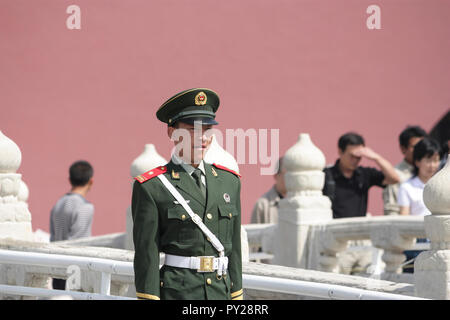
[(15, 218), (393, 243)]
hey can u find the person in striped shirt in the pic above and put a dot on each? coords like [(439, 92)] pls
[(71, 217)]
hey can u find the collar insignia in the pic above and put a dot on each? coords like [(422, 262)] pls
[(175, 175)]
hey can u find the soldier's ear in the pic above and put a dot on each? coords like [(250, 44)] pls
[(170, 132)]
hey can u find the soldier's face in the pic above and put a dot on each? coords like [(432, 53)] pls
[(191, 140)]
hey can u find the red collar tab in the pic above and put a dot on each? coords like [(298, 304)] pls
[(151, 174), (226, 169)]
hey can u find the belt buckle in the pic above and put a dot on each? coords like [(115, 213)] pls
[(206, 264)]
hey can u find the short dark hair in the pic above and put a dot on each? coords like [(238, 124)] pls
[(350, 138), (80, 172), (426, 147), (411, 132)]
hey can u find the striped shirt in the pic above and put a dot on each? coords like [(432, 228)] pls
[(71, 218)]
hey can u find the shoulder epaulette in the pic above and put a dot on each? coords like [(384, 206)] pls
[(226, 169), (151, 174)]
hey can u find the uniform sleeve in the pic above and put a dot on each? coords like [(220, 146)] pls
[(235, 262), (146, 243)]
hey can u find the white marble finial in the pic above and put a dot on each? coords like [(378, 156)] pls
[(15, 218), (146, 161), (432, 267), (303, 156), (304, 163), (10, 155), (436, 194)]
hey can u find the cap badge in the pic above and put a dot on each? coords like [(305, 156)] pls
[(200, 99)]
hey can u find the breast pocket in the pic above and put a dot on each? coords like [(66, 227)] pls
[(227, 215), (181, 225)]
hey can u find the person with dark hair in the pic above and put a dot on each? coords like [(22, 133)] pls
[(71, 217), (408, 138), (426, 159), (265, 209), (347, 185)]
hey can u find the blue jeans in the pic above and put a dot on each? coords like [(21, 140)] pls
[(411, 254)]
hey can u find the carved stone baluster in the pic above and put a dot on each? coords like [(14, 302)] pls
[(15, 217), (393, 243)]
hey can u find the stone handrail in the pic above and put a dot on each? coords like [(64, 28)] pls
[(120, 284), (39, 276), (112, 240), (392, 234), (363, 227)]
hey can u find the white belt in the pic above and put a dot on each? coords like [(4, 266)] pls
[(201, 264)]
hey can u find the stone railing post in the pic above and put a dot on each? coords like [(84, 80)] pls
[(304, 204), (15, 218), (432, 268), (146, 161)]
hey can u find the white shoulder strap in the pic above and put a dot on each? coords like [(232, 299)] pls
[(196, 218)]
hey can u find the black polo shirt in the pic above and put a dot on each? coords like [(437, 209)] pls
[(349, 196)]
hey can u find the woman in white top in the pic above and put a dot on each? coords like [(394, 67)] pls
[(426, 158)]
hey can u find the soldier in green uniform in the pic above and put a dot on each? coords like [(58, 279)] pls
[(202, 243)]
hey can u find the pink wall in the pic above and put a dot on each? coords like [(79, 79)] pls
[(300, 66)]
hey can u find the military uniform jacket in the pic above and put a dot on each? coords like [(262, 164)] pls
[(160, 224)]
